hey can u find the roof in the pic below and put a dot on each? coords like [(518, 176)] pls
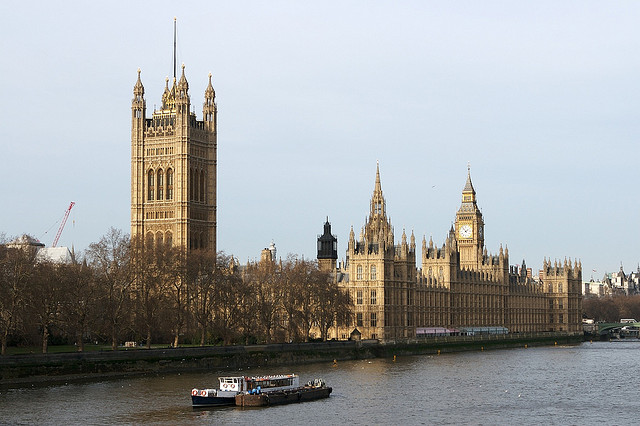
[(54, 254)]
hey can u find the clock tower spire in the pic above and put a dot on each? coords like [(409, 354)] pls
[(469, 227)]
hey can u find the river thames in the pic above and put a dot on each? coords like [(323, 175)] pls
[(591, 383)]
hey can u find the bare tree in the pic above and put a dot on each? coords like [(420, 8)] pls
[(43, 298), (111, 261), (201, 283), (227, 294), (262, 278), (156, 268), (333, 309), (16, 270), (78, 300)]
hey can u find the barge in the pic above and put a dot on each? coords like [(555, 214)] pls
[(313, 390), (259, 391)]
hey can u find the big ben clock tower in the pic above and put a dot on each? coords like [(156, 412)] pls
[(469, 228)]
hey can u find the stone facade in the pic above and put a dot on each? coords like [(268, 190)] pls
[(173, 168), (459, 285)]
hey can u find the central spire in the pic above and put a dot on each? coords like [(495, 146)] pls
[(377, 199)]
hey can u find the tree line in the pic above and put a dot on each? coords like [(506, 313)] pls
[(612, 309), (125, 290)]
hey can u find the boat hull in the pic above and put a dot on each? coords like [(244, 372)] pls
[(212, 401), (282, 397)]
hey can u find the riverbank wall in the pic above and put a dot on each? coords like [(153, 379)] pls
[(22, 370)]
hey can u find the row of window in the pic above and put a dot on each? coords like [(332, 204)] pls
[(160, 215), (160, 151), (373, 299), (198, 240), (373, 319), (156, 189), (159, 238), (373, 275), (197, 185)]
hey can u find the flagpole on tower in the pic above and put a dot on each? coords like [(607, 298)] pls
[(174, 48)]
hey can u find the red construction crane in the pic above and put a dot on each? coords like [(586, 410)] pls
[(64, 221)]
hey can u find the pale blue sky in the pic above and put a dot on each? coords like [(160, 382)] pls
[(542, 98)]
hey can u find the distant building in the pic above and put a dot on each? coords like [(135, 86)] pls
[(614, 283), (173, 168), (459, 286), (57, 255)]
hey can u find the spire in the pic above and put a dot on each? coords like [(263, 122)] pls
[(209, 91), (377, 199), (468, 187), (138, 89), (183, 84)]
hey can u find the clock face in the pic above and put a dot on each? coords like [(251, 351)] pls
[(465, 231)]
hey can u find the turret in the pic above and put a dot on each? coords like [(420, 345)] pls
[(209, 108), (412, 245), (138, 105), (327, 249), (183, 102)]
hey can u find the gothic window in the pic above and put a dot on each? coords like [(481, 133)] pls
[(168, 238), (159, 238), (149, 239), (373, 272), (374, 319), (160, 185), (150, 185), (359, 297), (359, 319), (169, 184), (441, 273), (377, 207), (202, 186), (559, 288), (359, 272), (191, 183), (373, 299)]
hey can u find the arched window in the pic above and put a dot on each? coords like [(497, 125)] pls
[(149, 239), (202, 186), (169, 184), (359, 272), (150, 185), (160, 185), (374, 274), (159, 238), (168, 238), (191, 184)]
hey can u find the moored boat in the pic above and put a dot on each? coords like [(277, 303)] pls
[(231, 386), (224, 395), (313, 390)]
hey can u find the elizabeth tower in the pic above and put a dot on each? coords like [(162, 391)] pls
[(173, 168)]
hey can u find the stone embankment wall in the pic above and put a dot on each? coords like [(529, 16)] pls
[(18, 370)]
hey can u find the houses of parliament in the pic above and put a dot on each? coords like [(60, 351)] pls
[(459, 285)]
